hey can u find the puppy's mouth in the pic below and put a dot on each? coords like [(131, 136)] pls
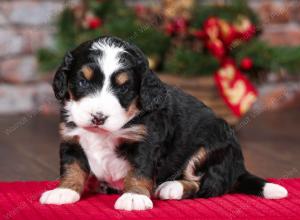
[(96, 129)]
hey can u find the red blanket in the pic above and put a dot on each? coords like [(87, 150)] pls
[(19, 200)]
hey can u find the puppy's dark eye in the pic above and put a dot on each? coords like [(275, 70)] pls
[(83, 83), (124, 89)]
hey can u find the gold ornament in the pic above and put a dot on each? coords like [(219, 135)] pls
[(179, 8), (153, 62), (242, 24)]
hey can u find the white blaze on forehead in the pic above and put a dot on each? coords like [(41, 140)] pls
[(110, 60)]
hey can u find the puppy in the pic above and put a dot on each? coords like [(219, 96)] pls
[(124, 126)]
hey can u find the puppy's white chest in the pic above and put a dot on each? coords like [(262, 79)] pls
[(103, 161)]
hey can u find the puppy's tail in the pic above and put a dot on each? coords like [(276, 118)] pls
[(253, 185)]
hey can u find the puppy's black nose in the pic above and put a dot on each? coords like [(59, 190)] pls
[(98, 118)]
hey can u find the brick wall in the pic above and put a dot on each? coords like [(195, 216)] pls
[(280, 19), (25, 26)]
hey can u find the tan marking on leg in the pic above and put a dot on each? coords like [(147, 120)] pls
[(87, 72), (189, 188), (74, 178), (122, 78), (197, 160), (138, 184)]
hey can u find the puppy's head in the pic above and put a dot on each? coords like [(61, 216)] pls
[(105, 82)]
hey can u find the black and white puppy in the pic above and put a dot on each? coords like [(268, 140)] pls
[(124, 126)]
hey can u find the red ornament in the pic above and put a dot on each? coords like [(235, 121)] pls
[(177, 26), (228, 61), (181, 25), (217, 48), (246, 63), (218, 35), (211, 28), (94, 22), (139, 9), (227, 32), (210, 22), (170, 28), (235, 88), (199, 34), (249, 33), (245, 29)]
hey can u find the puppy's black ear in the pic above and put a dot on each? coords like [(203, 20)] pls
[(60, 81), (153, 92)]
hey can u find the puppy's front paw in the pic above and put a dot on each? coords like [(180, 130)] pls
[(59, 196), (169, 190), (133, 201)]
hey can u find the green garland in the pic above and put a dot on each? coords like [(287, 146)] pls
[(187, 62), (177, 55)]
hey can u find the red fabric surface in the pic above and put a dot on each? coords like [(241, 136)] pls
[(19, 200)]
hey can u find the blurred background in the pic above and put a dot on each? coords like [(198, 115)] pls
[(241, 58)]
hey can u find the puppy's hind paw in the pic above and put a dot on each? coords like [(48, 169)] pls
[(170, 190)]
